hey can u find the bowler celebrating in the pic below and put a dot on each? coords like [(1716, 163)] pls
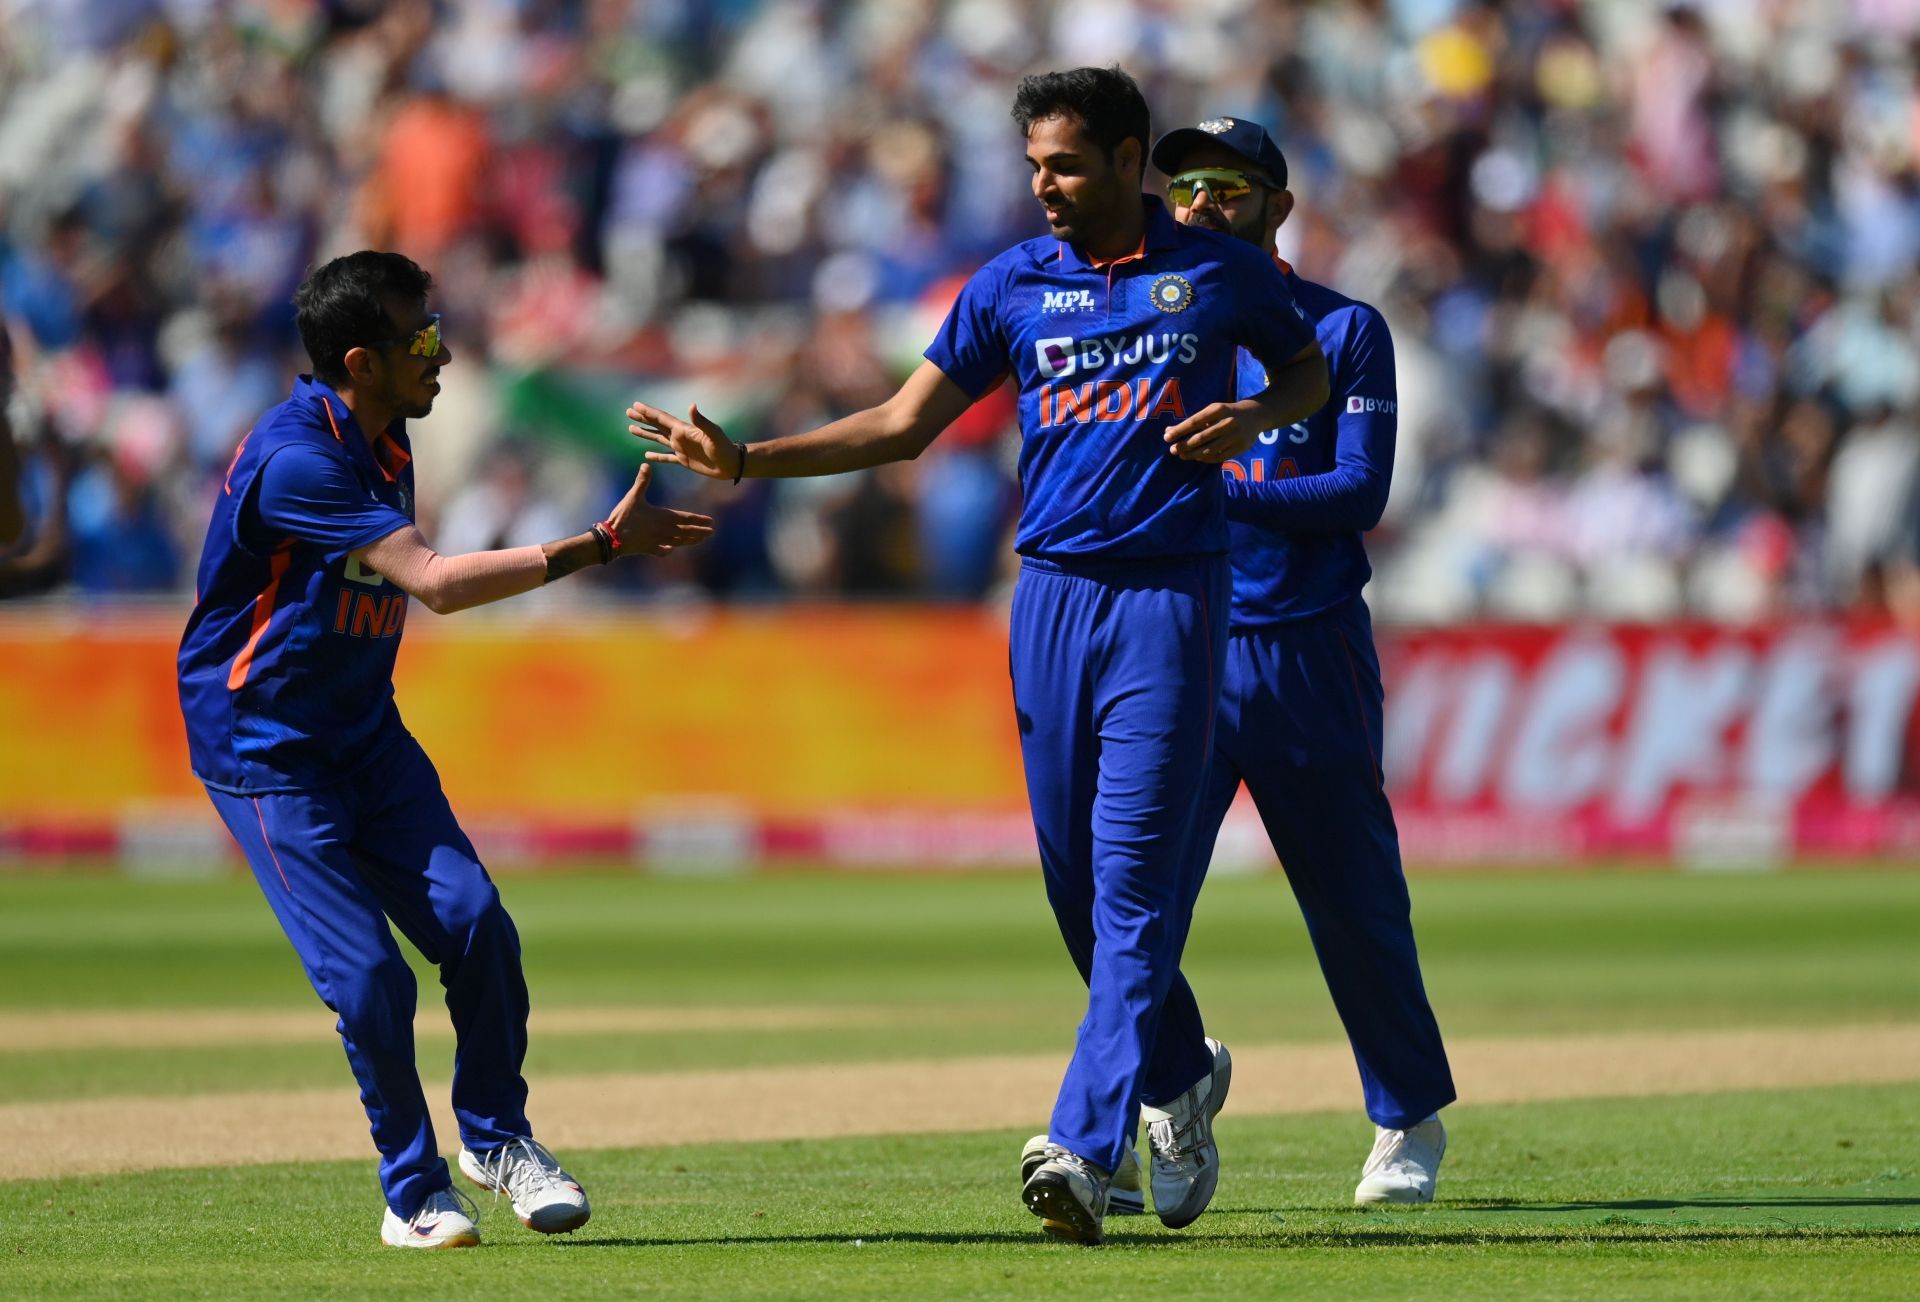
[(286, 681), (1120, 330), (1300, 714)]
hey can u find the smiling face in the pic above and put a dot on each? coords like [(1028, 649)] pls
[(1086, 193), (1253, 217), (391, 374)]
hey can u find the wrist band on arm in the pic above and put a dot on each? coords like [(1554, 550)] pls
[(740, 448), (609, 541)]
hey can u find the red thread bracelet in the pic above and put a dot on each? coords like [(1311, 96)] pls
[(613, 536)]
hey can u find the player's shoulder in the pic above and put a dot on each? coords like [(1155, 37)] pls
[(299, 421), (1027, 256), (1338, 313)]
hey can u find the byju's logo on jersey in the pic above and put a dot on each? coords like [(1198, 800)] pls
[(1171, 292), (1358, 406), (1061, 357), (1067, 300), (1056, 356)]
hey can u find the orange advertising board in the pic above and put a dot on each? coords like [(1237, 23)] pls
[(782, 712)]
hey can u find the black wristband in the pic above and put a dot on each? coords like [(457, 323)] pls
[(741, 448), (604, 538)]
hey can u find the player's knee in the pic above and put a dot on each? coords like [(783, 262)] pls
[(375, 996), (478, 918)]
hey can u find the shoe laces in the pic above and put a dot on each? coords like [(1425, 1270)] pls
[(1173, 1143), (1074, 1162), (522, 1166), (442, 1202), (1390, 1151), (1384, 1145)]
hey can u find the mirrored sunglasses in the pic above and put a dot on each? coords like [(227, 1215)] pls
[(1222, 184), (424, 342)]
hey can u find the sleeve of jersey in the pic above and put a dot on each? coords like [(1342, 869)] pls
[(971, 348), (303, 493), (1350, 497), (1272, 328)]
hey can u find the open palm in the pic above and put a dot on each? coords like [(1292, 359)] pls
[(696, 442)]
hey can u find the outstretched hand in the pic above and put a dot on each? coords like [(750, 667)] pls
[(655, 530), (696, 442)]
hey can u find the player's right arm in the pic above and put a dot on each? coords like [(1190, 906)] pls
[(899, 429), (966, 359), (306, 494)]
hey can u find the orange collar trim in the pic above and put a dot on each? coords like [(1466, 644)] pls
[(1135, 256), (387, 452)]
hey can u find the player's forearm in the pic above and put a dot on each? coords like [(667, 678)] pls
[(1348, 499), (865, 439), (1294, 391), (445, 584)]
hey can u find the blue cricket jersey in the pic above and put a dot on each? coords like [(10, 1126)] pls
[(1302, 496), (286, 668), (1107, 356)]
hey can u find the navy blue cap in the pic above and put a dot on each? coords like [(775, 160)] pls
[(1247, 139)]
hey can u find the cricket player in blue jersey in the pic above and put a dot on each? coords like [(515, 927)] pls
[(1300, 712), (286, 681), (1120, 329)]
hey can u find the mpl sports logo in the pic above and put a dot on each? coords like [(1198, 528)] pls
[(1358, 406), (1066, 300)]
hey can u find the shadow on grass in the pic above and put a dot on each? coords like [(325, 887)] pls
[(1670, 1204), (1304, 1238), (956, 1239)]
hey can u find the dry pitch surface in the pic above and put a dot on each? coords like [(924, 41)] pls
[(622, 1110)]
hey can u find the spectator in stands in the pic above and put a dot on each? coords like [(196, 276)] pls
[(1722, 199)]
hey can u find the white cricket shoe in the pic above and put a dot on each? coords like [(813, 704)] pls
[(1124, 1195), (544, 1197), (445, 1220), (1403, 1165), (1186, 1161), (1069, 1195)]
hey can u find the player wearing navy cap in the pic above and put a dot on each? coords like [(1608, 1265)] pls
[(1120, 330), (286, 681), (1300, 714)]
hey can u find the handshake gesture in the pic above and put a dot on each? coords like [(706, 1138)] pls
[(696, 442), (640, 526)]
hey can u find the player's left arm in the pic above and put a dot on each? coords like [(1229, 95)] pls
[(1272, 327), (1351, 497)]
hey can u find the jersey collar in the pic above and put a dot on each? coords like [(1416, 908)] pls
[(389, 450), (1162, 233)]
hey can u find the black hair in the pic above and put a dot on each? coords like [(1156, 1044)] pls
[(338, 307), (1107, 103)]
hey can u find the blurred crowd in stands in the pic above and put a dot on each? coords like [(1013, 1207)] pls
[(1651, 269)]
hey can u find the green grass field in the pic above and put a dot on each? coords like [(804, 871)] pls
[(1787, 1192)]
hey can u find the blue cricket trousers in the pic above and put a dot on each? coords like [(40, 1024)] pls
[(1300, 723), (1116, 668), (335, 864)]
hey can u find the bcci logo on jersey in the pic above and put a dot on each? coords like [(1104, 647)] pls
[(1171, 292), (1067, 300)]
